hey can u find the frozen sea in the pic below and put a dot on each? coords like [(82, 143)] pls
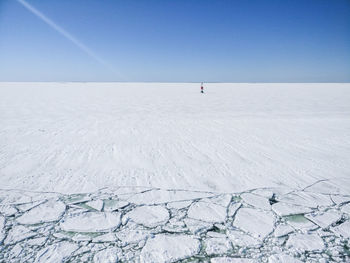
[(81, 137), (158, 172)]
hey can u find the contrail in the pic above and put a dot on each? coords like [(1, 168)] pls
[(66, 34)]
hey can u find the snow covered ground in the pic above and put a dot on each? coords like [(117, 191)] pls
[(145, 172), (80, 137)]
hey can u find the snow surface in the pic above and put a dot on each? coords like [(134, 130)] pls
[(80, 137), (99, 172)]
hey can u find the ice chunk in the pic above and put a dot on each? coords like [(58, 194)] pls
[(28, 206), (91, 222), (113, 205), (283, 230), (109, 255), (79, 237), (231, 260), (96, 204), (2, 228), (217, 246), (16, 251), (284, 209), (346, 209), (241, 239), (169, 248), (283, 258), (18, 233), (223, 200), (7, 210), (175, 226), (301, 223), (326, 219), (340, 199), (179, 205), (208, 212), (197, 226), (109, 237), (149, 216), (307, 199), (37, 241), (132, 235), (47, 212), (57, 252), (305, 242), (342, 229), (256, 201), (257, 223)]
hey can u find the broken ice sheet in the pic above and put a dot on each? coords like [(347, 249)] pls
[(108, 255), (91, 222), (258, 224), (209, 212), (28, 206), (283, 258), (77, 198), (8, 210), (96, 204), (306, 199), (197, 226), (300, 222), (231, 260), (2, 228), (57, 252), (283, 230), (47, 212), (342, 229), (179, 205), (241, 239), (149, 216), (17, 234), (132, 235), (325, 219), (346, 209), (111, 205), (109, 237), (217, 246), (284, 209), (305, 242), (169, 248), (340, 199), (232, 209), (256, 201)]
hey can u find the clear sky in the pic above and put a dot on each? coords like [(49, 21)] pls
[(175, 40)]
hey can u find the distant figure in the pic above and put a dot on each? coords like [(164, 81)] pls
[(202, 89)]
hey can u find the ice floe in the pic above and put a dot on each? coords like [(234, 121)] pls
[(285, 209), (91, 222), (194, 226), (149, 216), (57, 252), (109, 255), (305, 242), (326, 219), (259, 224), (47, 212), (169, 248), (256, 201), (206, 211)]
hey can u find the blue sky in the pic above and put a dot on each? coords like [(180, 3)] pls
[(176, 41)]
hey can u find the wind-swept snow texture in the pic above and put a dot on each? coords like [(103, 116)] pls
[(80, 137)]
